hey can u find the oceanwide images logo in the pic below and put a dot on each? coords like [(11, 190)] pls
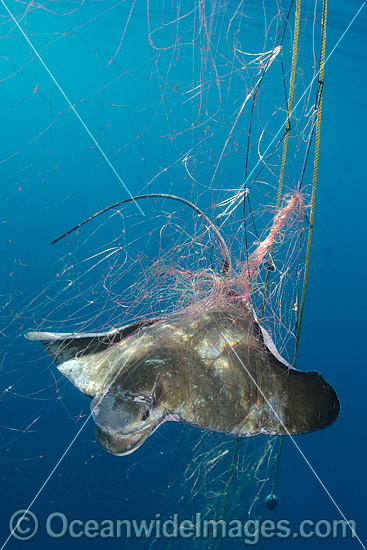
[(24, 525)]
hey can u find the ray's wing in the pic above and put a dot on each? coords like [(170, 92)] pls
[(63, 346), (86, 358)]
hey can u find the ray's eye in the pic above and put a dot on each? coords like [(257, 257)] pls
[(146, 415)]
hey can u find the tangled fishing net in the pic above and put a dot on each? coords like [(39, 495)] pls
[(190, 99)]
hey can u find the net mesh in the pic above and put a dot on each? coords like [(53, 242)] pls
[(183, 98)]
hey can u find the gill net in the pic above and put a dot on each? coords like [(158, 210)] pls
[(205, 100)]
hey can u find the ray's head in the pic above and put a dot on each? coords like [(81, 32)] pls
[(124, 420)]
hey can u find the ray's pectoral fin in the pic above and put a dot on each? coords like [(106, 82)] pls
[(124, 420), (67, 345), (310, 403), (84, 357), (295, 402)]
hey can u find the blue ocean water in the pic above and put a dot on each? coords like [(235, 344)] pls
[(143, 78)]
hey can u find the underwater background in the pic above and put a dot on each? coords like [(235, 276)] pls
[(129, 69)]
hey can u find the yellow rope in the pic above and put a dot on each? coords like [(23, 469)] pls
[(314, 182), (288, 126), (290, 100), (315, 172)]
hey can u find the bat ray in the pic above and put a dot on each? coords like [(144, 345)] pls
[(211, 365)]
